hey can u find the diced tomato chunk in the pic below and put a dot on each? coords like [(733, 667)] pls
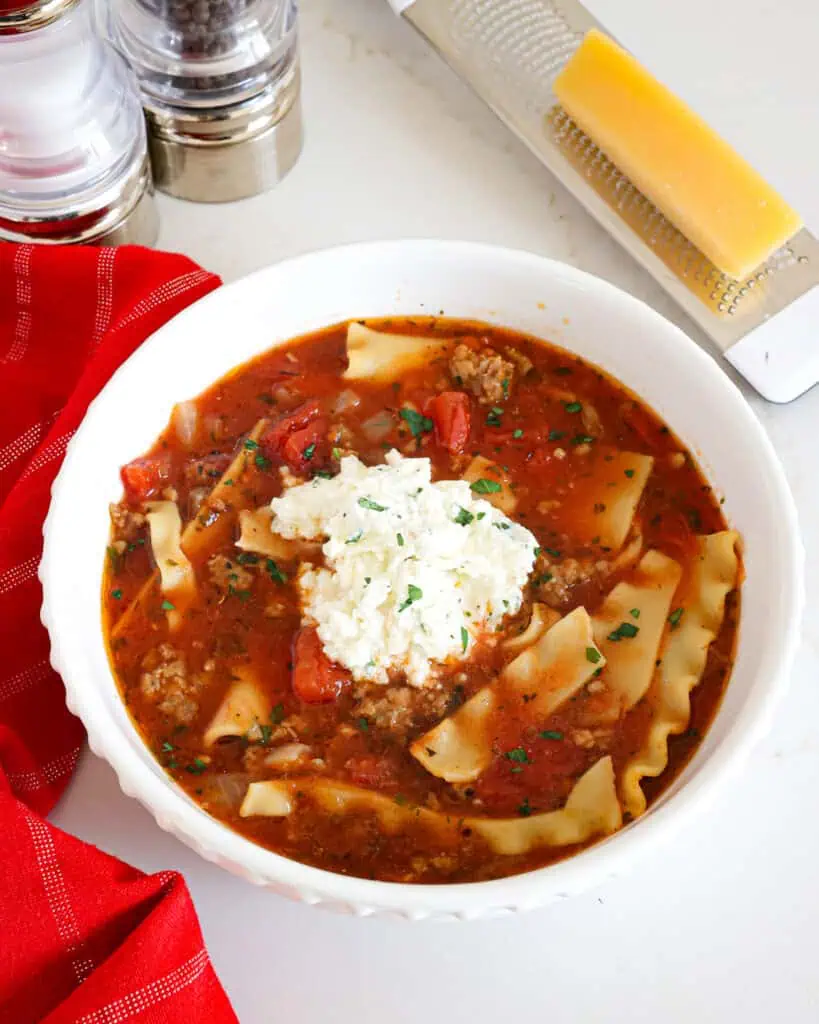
[(370, 770), (296, 438), (145, 477), (450, 412), (315, 679)]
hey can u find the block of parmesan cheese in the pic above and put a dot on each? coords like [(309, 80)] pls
[(674, 158)]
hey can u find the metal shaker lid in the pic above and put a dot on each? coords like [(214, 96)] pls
[(26, 17)]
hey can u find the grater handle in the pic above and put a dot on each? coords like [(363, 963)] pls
[(781, 356)]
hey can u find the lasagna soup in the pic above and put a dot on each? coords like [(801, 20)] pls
[(420, 600)]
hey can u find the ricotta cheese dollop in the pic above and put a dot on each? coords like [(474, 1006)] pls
[(415, 571)]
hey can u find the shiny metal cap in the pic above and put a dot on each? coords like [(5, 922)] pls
[(125, 215), (219, 154), (30, 16)]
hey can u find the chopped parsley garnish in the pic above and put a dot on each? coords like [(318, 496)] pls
[(502, 526), (277, 714), (356, 537), (275, 572), (413, 594), (480, 516), (399, 537), (197, 767), (372, 505), (261, 461), (484, 486), (582, 439), (572, 406), (551, 734), (547, 577), (417, 423), (363, 724), (675, 616), (464, 517), (625, 631), (629, 473), (309, 451), (267, 731), (517, 434), (247, 558), (505, 386), (167, 748), (251, 445), (464, 638), (336, 453), (635, 613), (553, 552), (494, 417), (524, 809), (116, 594), (593, 655), (555, 435), (325, 474), (167, 606), (517, 754)]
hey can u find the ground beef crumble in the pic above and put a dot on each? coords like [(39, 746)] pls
[(128, 525), (228, 576), (483, 373), (400, 709), (166, 682)]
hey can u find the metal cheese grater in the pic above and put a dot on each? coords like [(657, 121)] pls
[(510, 52)]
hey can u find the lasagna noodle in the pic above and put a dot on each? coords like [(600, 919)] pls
[(177, 579), (637, 606), (591, 809), (554, 668), (482, 469), (257, 537), (604, 501), (203, 534), (243, 706), (542, 618), (376, 355), (703, 602)]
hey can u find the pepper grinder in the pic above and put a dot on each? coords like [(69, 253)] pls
[(220, 89), (73, 148)]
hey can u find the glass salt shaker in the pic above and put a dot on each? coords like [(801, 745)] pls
[(220, 89), (73, 149)]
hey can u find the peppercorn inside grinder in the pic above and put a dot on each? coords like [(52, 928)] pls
[(220, 90)]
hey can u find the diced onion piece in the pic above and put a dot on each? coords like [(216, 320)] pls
[(269, 799), (227, 790), (378, 426), (345, 400), (375, 355), (288, 754), (185, 419)]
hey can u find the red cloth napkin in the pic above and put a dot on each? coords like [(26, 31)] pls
[(83, 937)]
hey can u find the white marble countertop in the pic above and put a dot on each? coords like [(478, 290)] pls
[(720, 926)]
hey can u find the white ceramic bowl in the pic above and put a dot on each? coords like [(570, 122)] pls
[(516, 289)]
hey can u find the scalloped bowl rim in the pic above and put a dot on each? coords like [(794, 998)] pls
[(409, 270)]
